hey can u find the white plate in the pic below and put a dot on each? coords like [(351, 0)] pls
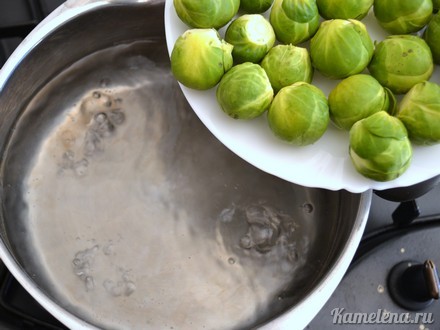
[(326, 163)]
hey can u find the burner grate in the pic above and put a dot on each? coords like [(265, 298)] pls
[(18, 310), (17, 19)]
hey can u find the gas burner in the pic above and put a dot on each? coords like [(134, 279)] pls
[(385, 287)]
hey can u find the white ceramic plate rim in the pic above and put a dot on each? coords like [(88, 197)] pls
[(325, 164)]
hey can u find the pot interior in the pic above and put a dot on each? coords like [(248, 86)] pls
[(122, 208)]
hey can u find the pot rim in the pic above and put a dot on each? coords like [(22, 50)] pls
[(299, 315)]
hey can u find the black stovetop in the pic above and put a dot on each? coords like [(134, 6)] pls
[(18, 310)]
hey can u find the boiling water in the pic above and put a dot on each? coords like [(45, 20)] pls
[(139, 218)]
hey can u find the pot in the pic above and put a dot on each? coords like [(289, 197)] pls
[(120, 210)]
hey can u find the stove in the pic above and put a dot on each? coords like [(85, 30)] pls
[(390, 242), (398, 234)]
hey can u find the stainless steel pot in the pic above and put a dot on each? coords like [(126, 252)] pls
[(120, 209)]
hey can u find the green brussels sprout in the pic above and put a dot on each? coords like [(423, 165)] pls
[(294, 21), (341, 48), (287, 64), (252, 37), (432, 37), (402, 17), (255, 6), (379, 147), (299, 114), (206, 13), (357, 97), (419, 111), (355, 9), (210, 58), (401, 61), (244, 92)]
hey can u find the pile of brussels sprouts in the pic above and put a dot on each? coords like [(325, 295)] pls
[(267, 65)]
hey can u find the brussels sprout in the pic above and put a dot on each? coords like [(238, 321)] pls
[(206, 13), (208, 55), (432, 37), (379, 147), (402, 17), (244, 92), (299, 114), (341, 48), (294, 21), (287, 64), (252, 37), (255, 6), (401, 61), (356, 9), (419, 111), (357, 97)]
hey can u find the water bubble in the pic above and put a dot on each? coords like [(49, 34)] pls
[(92, 143), (96, 95), (307, 207), (67, 160), (90, 283), (111, 288), (108, 249), (101, 125), (227, 215), (130, 287), (105, 82), (67, 138), (119, 288), (117, 117), (82, 266), (292, 253), (264, 229), (246, 242), (231, 261), (261, 234), (81, 166), (101, 117)]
